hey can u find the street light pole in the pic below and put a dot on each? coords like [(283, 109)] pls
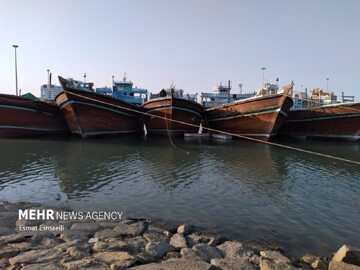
[(16, 77)]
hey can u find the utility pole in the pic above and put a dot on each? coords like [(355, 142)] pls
[(16, 77)]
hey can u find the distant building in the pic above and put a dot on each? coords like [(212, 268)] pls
[(49, 92)]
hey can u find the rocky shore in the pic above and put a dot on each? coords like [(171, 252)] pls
[(138, 244)]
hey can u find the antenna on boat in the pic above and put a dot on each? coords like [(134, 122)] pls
[(84, 77), (124, 78), (113, 79)]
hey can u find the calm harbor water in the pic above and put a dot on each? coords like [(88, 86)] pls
[(244, 190)]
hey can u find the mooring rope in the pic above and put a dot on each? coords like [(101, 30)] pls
[(168, 131), (224, 132)]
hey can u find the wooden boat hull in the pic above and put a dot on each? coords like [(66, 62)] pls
[(334, 122), (258, 117), (165, 114), (91, 115), (22, 117)]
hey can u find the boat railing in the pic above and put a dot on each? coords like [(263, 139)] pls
[(347, 98)]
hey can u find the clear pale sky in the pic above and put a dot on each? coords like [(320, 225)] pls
[(196, 43)]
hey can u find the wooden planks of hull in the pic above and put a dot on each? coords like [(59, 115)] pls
[(91, 115), (164, 110), (22, 117), (258, 117), (333, 122)]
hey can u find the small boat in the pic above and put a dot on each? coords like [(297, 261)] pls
[(259, 117), (323, 117), (172, 114), (91, 115), (22, 117)]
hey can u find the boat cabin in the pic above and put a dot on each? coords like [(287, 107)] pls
[(125, 91), (221, 95)]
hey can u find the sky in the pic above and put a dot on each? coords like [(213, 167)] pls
[(195, 43)]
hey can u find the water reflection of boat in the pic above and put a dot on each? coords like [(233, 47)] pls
[(172, 105), (323, 117), (258, 117), (90, 115), (108, 163), (20, 116)]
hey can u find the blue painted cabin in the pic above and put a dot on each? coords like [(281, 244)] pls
[(125, 91)]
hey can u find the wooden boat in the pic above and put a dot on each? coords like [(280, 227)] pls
[(258, 117), (319, 115), (90, 115), (169, 106), (335, 121), (20, 117)]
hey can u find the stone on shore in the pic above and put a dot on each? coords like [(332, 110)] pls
[(155, 236), (174, 265), (275, 256), (347, 257), (205, 238), (90, 227), (274, 260), (184, 229), (106, 233), (12, 238), (36, 256), (178, 241), (266, 264), (190, 255), (235, 250), (206, 252), (64, 246), (230, 264), (118, 259), (159, 249), (133, 229), (72, 235), (42, 266), (84, 263), (315, 261)]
